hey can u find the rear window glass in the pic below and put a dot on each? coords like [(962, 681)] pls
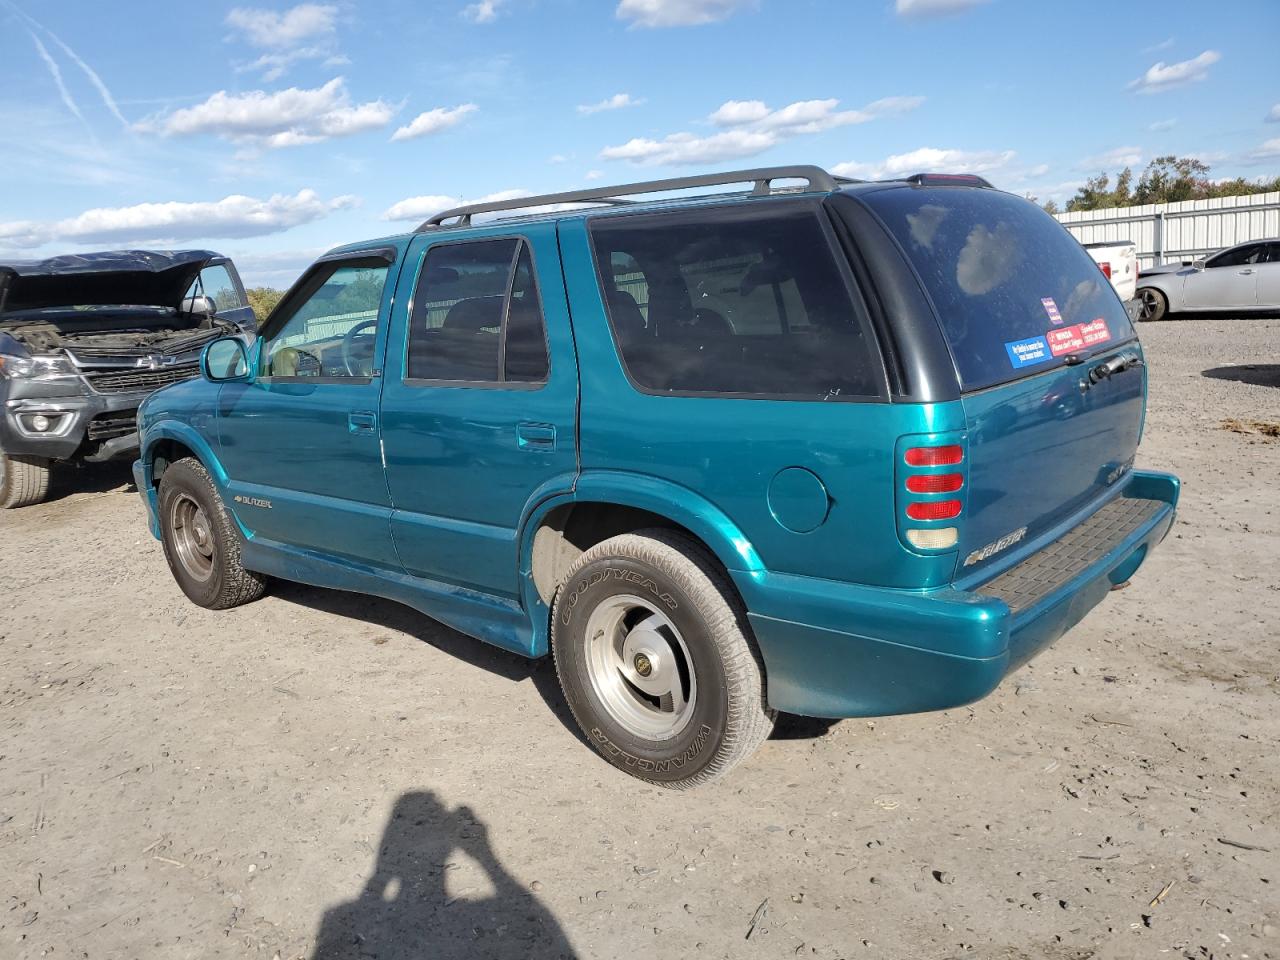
[(734, 301), (1015, 292)]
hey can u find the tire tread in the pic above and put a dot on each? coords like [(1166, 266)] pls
[(749, 720), (236, 585), (26, 481)]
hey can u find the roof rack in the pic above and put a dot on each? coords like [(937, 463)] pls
[(816, 178)]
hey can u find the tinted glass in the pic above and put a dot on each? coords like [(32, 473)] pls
[(219, 287), (333, 329), (455, 331), (526, 339), (745, 300), (1016, 294), (1254, 253)]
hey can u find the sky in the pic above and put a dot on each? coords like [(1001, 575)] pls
[(273, 131)]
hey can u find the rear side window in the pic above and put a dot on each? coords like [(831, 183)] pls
[(747, 300), (477, 316), (1015, 293)]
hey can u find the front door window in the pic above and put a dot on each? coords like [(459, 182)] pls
[(332, 331)]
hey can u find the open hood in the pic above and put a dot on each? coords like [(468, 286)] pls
[(113, 278)]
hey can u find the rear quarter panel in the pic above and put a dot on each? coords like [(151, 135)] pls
[(727, 452)]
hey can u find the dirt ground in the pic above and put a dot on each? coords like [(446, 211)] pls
[(325, 775)]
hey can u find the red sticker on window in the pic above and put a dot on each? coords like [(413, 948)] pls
[(1078, 336), (1095, 331), (1065, 340)]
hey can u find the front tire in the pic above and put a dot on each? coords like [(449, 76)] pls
[(24, 481), (1155, 305), (657, 661), (200, 541)]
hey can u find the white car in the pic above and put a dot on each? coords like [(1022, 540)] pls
[(1118, 261), (1245, 277)]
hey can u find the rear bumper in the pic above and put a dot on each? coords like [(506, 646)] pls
[(842, 650)]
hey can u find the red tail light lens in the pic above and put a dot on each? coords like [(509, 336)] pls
[(935, 482), (934, 456), (934, 510), (1106, 270)]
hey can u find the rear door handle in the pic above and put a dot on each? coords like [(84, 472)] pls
[(362, 421), (536, 436)]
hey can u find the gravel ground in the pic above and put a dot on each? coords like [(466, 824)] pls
[(325, 775)]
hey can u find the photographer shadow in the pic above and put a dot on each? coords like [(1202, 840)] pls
[(405, 911)]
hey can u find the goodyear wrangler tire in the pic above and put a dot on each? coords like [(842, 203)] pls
[(657, 661), (200, 541)]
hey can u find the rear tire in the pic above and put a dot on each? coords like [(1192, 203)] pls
[(200, 541), (1155, 305), (657, 661), (23, 481)]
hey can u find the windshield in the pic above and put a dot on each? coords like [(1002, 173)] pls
[(1015, 293)]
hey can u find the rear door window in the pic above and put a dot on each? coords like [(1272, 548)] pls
[(744, 301), (1014, 292), (477, 316)]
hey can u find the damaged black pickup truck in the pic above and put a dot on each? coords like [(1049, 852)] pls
[(85, 338)]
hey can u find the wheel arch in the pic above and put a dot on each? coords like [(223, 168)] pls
[(170, 441), (603, 505)]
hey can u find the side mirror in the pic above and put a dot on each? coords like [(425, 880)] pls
[(199, 306), (1197, 264), (225, 360)]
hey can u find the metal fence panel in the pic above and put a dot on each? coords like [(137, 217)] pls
[(1180, 231)]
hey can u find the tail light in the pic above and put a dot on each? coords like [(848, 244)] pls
[(932, 475), (1106, 270)]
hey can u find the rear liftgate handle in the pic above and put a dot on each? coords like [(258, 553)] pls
[(536, 436)]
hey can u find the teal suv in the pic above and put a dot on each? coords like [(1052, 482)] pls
[(832, 448)]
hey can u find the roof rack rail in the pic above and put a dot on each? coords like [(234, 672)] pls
[(817, 179)]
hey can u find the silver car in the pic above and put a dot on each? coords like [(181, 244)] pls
[(1245, 277)]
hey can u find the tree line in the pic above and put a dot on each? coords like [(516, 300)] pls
[(1167, 179)]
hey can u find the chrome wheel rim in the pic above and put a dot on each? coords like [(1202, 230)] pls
[(640, 668), (192, 536), (1149, 304)]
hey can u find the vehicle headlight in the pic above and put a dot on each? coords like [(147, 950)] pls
[(36, 368)]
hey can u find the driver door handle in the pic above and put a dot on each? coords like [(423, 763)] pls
[(1245, 273), (362, 421)]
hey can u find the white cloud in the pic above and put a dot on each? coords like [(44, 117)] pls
[(753, 128), (1160, 126), (285, 118), (1273, 115), (434, 121), (678, 13), (272, 29), (161, 223), (1164, 44), (420, 208), (304, 32), (934, 8), (594, 174), (617, 102), (928, 160), (1270, 150), (485, 11), (1113, 159), (1162, 76)]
